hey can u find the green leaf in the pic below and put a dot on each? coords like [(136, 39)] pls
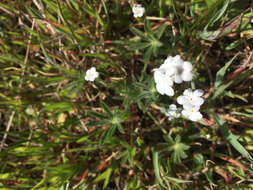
[(60, 106), (139, 45), (83, 139), (98, 123), (220, 74), (178, 150), (72, 89), (231, 137), (107, 134), (98, 55), (94, 14), (157, 167), (144, 94), (219, 13), (104, 176), (159, 32), (66, 21), (9, 58), (95, 114), (147, 27), (72, 73), (106, 108), (137, 32), (120, 128), (148, 54), (237, 79)]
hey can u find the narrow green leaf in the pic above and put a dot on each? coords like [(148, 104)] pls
[(61, 106), (220, 74), (106, 108), (72, 73), (147, 27), (97, 115), (159, 32), (104, 176), (98, 123), (143, 94), (120, 128), (94, 14), (231, 137), (139, 45), (98, 55), (106, 10), (107, 134), (237, 79), (83, 139), (66, 21), (219, 13), (148, 54), (157, 167), (138, 33)]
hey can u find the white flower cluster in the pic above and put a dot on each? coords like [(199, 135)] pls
[(175, 70), (138, 10), (191, 101)]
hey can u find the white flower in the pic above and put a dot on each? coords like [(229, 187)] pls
[(91, 74), (163, 74), (191, 98), (172, 112), (192, 112), (138, 10), (182, 69), (164, 89), (163, 82)]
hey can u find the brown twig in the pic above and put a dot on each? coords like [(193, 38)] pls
[(7, 130)]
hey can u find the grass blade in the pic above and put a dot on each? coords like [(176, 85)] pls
[(232, 138)]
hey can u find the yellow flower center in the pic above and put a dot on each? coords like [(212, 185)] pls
[(192, 111), (139, 11)]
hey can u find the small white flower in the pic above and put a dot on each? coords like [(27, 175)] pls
[(164, 89), (172, 112), (191, 98), (138, 10), (91, 74), (192, 112), (162, 74), (182, 69), (163, 82)]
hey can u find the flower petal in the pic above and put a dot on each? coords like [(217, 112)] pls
[(160, 88), (92, 69), (198, 92), (187, 76), (169, 91), (195, 116), (187, 66), (188, 92), (185, 113), (178, 79), (173, 107), (181, 100), (197, 101)]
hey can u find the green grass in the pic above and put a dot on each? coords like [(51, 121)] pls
[(59, 131)]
